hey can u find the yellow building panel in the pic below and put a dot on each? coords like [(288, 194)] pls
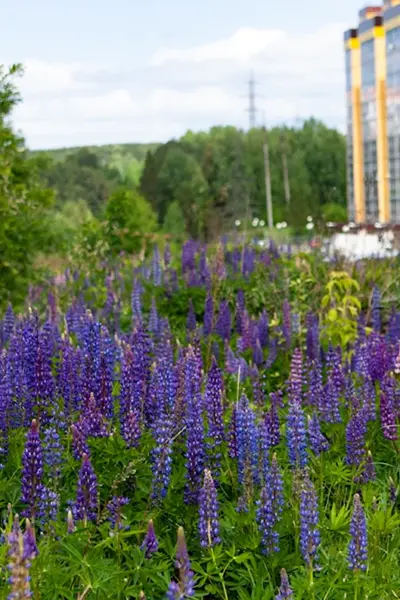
[(381, 113), (358, 149)]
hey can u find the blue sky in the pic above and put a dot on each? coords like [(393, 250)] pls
[(129, 71)]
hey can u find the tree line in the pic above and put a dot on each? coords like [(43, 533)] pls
[(95, 202)]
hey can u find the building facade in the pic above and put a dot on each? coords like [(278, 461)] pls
[(372, 52)]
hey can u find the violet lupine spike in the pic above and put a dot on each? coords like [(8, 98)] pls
[(312, 337), (356, 432), (296, 436), (114, 510), (263, 329), (93, 420), (330, 409), (32, 472), (315, 389), (185, 586), (309, 520), (387, 409), (208, 513), (258, 391), (223, 325), (86, 505), (79, 440), (247, 437), (8, 324), (156, 267), (295, 386), (368, 470), (70, 522), (22, 550), (318, 442), (136, 303), (369, 398), (378, 357), (258, 356), (191, 323), (270, 507), (52, 452), (161, 457), (285, 591), (150, 542), (240, 308), (265, 449), (213, 402), (286, 323), (5, 404), (154, 320), (358, 546), (195, 447), (130, 428), (272, 424), (232, 434)]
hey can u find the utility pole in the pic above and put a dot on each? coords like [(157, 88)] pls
[(268, 192), (286, 181)]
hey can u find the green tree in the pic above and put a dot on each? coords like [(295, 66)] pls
[(129, 217), (24, 204), (174, 223)]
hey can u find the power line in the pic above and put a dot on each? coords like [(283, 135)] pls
[(252, 110)]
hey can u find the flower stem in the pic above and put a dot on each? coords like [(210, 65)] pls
[(221, 577)]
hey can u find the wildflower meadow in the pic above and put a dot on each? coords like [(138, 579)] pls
[(212, 422)]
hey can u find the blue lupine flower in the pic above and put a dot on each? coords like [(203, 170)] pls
[(208, 513), (358, 546), (309, 532), (285, 591)]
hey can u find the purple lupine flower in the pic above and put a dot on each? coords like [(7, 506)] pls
[(258, 355), (272, 423), (79, 440), (5, 402), (286, 323), (195, 447), (32, 472), (258, 390), (114, 510), (136, 302), (185, 586), (376, 309), (356, 431), (269, 508), (262, 329), (387, 409), (377, 356), (208, 513), (150, 542), (309, 532), (8, 324), (22, 550), (191, 318), (318, 442), (156, 266), (232, 434), (52, 451), (247, 438), (130, 428), (330, 409), (285, 591), (312, 336), (93, 420), (358, 546), (86, 505), (213, 401), (296, 377), (208, 318), (240, 308), (368, 473), (154, 319), (161, 456), (49, 505), (296, 436), (315, 387), (223, 325)]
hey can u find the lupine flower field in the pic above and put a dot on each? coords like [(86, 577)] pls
[(217, 423)]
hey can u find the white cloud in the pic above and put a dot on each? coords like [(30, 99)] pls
[(197, 87), (240, 46)]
